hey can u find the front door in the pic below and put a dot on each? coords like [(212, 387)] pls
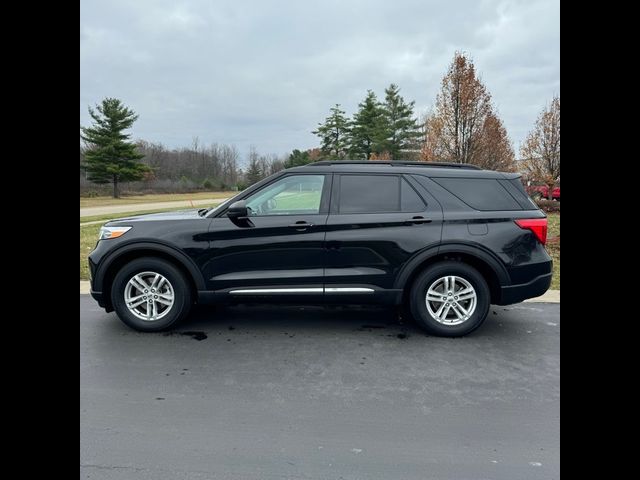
[(279, 248)]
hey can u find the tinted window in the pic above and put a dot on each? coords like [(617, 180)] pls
[(369, 193), (377, 194), (517, 191), (295, 194), (410, 201), (480, 193)]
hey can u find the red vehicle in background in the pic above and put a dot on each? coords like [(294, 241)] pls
[(542, 191)]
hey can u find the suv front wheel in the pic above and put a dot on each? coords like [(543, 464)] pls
[(449, 299), (150, 294)]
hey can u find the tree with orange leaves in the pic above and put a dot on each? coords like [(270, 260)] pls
[(380, 156), (541, 149), (463, 128), (494, 149)]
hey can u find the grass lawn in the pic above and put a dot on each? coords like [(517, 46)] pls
[(151, 198), (88, 239), (553, 247)]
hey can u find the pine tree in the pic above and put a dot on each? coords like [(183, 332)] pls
[(334, 133), (109, 157), (369, 128), (297, 159), (403, 129), (254, 171)]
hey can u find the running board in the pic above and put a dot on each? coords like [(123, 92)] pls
[(262, 291)]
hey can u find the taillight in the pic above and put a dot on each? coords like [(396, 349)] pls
[(537, 225)]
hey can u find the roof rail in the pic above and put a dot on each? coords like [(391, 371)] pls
[(466, 166)]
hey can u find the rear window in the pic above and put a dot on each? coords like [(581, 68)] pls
[(377, 194), (516, 189), (480, 193)]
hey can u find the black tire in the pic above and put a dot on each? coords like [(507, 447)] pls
[(181, 290), (424, 280)]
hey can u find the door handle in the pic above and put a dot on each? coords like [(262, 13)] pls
[(418, 220), (301, 225)]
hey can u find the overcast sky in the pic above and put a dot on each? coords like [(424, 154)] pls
[(264, 73)]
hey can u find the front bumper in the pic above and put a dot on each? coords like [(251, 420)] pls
[(102, 301)]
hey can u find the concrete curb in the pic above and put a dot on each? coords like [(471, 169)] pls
[(551, 296)]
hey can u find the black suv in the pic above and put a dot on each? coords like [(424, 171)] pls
[(444, 240)]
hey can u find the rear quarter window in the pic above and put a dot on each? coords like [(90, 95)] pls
[(516, 189), (480, 193)]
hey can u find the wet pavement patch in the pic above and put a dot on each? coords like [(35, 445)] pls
[(195, 335), (401, 335)]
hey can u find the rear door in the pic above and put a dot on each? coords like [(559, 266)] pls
[(376, 223)]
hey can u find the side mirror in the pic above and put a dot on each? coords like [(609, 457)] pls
[(238, 210)]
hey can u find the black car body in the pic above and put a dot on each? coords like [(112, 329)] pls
[(348, 232)]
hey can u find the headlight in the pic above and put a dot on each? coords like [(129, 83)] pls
[(112, 232)]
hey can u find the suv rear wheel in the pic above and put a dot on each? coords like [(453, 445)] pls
[(150, 294), (449, 299)]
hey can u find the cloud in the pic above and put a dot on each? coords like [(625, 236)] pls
[(265, 73)]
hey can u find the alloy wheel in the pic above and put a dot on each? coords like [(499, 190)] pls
[(149, 296), (451, 300)]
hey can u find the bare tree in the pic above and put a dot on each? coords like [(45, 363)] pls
[(191, 167), (541, 149), (217, 163), (229, 161)]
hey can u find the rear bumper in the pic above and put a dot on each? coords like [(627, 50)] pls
[(518, 293)]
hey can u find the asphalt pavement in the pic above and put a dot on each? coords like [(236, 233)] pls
[(263, 392)]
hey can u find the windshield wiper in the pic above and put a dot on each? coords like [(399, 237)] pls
[(203, 211)]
